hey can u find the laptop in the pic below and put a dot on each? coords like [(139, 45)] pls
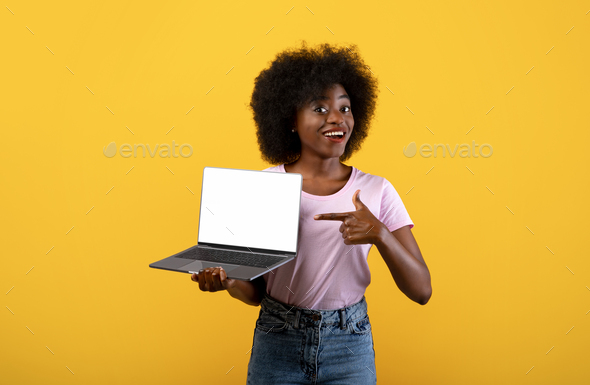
[(248, 223)]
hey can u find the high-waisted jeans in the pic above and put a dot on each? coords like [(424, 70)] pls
[(294, 345)]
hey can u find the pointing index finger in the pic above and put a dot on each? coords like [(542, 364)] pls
[(332, 216)]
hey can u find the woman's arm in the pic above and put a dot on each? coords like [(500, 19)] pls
[(398, 248), (404, 260), (250, 293)]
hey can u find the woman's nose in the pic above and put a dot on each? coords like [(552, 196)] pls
[(335, 117)]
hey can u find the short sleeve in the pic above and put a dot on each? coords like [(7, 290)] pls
[(393, 213), (273, 168)]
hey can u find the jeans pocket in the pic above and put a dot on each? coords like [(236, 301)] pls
[(361, 326), (271, 322)]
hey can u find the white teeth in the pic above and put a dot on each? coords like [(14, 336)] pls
[(334, 133)]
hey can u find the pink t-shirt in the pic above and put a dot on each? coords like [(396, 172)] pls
[(328, 274)]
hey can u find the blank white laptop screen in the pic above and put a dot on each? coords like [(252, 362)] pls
[(250, 208)]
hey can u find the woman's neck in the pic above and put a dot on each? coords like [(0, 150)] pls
[(327, 169)]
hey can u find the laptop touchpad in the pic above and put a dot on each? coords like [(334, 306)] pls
[(198, 265)]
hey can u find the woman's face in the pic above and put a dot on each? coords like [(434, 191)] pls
[(331, 112)]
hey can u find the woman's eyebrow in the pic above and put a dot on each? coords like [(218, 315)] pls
[(343, 96)]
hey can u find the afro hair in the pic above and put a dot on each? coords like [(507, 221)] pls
[(293, 78)]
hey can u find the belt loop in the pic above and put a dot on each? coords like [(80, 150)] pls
[(296, 321), (342, 318)]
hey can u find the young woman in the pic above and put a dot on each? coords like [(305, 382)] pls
[(313, 326)]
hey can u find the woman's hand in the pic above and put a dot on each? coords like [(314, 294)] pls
[(358, 227), (213, 279)]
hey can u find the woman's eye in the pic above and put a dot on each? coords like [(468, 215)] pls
[(345, 107)]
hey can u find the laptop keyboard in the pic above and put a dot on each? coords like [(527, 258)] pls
[(232, 257)]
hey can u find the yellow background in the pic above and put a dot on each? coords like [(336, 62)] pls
[(503, 297)]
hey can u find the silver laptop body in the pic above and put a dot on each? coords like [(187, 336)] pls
[(248, 219)]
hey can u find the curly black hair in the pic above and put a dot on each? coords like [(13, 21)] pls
[(293, 78)]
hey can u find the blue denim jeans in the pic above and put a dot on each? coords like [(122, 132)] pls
[(295, 345)]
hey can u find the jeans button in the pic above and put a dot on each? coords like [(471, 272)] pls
[(316, 317)]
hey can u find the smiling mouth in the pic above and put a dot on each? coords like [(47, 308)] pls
[(337, 137)]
